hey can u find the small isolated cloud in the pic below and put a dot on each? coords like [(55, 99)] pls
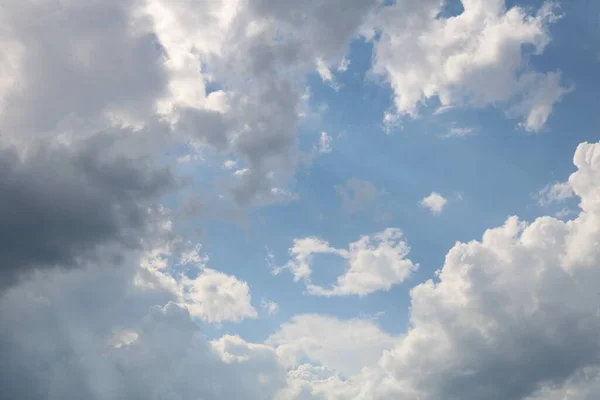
[(554, 193), (324, 145), (372, 263), (460, 133), (344, 64), (435, 202), (269, 307), (229, 164), (357, 194)]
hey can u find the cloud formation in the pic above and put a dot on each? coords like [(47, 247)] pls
[(435, 202), (478, 58), (373, 263)]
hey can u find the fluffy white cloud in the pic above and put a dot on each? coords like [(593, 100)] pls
[(513, 316), (210, 295), (342, 346), (216, 297), (435, 202), (478, 58), (374, 263)]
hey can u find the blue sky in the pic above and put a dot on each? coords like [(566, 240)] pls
[(216, 212)]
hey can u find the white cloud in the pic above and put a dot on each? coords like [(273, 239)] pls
[(269, 306), (324, 71), (460, 133), (229, 164), (216, 297), (209, 295), (554, 193), (324, 145), (357, 194), (477, 58), (342, 346), (513, 316), (493, 323), (435, 202), (373, 263), (344, 64)]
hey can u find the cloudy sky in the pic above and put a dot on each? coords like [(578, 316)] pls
[(299, 200)]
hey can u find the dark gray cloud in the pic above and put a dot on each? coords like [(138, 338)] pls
[(60, 204)]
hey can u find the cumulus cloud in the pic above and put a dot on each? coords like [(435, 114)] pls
[(357, 194), (513, 316), (343, 346), (477, 58), (374, 263), (435, 202), (253, 49), (207, 294)]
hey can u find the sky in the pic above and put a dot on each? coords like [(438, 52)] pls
[(326, 199)]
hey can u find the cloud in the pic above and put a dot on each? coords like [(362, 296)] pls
[(373, 263), (492, 324), (343, 346), (554, 193), (207, 294), (217, 297), (269, 306), (324, 145), (512, 316), (65, 204), (117, 333), (73, 73), (357, 194), (435, 202), (159, 64), (459, 133), (478, 58), (234, 46)]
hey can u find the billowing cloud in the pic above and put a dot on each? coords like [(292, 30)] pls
[(207, 294), (513, 316), (373, 263), (477, 58), (342, 346)]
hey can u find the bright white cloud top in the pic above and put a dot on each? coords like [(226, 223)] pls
[(476, 58), (435, 202), (132, 130), (373, 263)]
